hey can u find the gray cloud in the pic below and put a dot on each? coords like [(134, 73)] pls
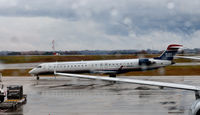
[(98, 24)]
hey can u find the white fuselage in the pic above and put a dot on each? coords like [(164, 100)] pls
[(104, 66)]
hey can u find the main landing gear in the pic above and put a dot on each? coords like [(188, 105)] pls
[(113, 76)]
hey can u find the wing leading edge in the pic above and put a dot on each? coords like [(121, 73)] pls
[(196, 89), (134, 81)]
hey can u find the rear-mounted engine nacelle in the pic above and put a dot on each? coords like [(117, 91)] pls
[(145, 62)]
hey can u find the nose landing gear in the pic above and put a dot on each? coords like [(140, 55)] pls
[(37, 77)]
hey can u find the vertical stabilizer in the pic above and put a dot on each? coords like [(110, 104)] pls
[(170, 52)]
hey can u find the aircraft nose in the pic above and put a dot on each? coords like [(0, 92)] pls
[(32, 71)]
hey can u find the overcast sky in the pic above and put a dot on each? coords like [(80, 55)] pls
[(98, 24)]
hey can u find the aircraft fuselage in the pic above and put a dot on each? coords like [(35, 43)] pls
[(102, 67)]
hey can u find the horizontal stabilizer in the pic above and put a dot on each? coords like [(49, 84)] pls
[(174, 47)]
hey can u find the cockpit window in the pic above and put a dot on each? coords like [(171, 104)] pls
[(39, 66)]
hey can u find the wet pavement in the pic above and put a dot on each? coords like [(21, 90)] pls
[(60, 95)]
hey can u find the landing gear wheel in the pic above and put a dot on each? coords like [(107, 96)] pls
[(112, 75), (37, 77)]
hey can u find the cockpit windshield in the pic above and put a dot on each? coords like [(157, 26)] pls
[(39, 66)]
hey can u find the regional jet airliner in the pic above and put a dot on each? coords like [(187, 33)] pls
[(109, 67)]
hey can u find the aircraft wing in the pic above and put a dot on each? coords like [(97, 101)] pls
[(188, 57), (134, 81)]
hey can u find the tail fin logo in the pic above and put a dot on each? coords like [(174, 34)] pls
[(168, 55), (170, 52)]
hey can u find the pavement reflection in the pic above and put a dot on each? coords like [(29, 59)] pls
[(77, 96)]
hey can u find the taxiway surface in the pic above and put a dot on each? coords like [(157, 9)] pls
[(81, 96)]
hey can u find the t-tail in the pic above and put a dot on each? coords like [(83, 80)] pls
[(170, 52)]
